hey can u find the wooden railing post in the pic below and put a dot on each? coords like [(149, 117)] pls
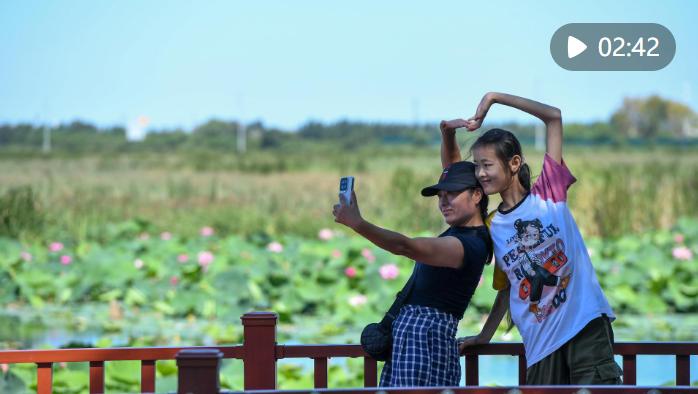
[(472, 374), (198, 371), (44, 378), (147, 376), (683, 370), (370, 372), (259, 352), (522, 369), (96, 377), (629, 369)]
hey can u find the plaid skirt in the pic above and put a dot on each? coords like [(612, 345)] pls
[(425, 351)]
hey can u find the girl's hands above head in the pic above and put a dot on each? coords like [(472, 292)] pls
[(476, 120), (347, 212), (474, 123)]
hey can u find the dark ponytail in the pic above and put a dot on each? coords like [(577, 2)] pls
[(483, 205), (484, 201), (525, 176), (506, 146)]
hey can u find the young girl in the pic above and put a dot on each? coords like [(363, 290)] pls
[(543, 271), (446, 272)]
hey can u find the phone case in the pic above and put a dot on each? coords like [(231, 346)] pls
[(346, 185)]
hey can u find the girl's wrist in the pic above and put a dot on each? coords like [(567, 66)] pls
[(484, 338)]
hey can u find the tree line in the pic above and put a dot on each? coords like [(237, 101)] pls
[(638, 120)]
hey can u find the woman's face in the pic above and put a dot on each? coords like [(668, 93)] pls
[(458, 207), (490, 171)]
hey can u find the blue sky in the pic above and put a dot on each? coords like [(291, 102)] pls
[(180, 63)]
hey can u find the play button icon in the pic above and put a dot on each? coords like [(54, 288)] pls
[(595, 46), (574, 47)]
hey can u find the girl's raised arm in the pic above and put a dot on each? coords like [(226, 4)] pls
[(550, 115)]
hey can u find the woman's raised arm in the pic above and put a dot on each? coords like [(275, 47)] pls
[(436, 251)]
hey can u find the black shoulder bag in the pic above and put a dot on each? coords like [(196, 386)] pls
[(377, 338)]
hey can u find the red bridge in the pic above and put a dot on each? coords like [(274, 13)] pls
[(199, 366)]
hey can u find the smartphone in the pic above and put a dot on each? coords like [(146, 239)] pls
[(346, 186)]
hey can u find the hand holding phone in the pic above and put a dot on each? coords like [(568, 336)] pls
[(347, 211)]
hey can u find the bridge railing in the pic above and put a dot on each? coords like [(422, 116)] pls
[(260, 352)]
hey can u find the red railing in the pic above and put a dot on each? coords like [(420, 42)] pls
[(495, 390), (260, 352)]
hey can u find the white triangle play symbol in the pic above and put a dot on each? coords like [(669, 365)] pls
[(574, 46)]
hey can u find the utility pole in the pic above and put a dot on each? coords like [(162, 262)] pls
[(540, 137), (242, 138), (46, 145), (415, 110), (242, 130), (415, 115)]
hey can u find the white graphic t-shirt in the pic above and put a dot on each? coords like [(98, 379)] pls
[(540, 252)]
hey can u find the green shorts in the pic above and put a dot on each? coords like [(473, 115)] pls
[(587, 358)]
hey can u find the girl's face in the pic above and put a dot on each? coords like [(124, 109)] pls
[(459, 207), (490, 171)]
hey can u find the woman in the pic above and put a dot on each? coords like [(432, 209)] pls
[(446, 272)]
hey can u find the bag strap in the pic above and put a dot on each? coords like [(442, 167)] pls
[(404, 294), (400, 299)]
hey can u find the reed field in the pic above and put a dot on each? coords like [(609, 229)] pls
[(617, 192)]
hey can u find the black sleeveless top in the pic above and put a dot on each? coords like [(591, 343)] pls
[(450, 289)]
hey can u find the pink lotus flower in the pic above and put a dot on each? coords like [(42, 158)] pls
[(325, 234), (350, 272), (63, 365), (205, 258), (368, 255), (26, 256), (166, 236), (336, 254), (138, 263), (4, 367), (207, 231), (275, 247), (183, 258), (678, 238), (144, 236), (174, 280), (357, 300), (389, 271), (55, 247), (66, 260), (682, 253)]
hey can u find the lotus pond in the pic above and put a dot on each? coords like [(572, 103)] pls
[(145, 289)]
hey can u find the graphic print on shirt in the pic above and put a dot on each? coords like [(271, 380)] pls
[(538, 261)]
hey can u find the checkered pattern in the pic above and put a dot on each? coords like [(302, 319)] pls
[(425, 352)]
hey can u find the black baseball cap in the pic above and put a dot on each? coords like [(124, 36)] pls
[(457, 176)]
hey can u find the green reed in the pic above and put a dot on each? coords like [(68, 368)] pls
[(617, 192)]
